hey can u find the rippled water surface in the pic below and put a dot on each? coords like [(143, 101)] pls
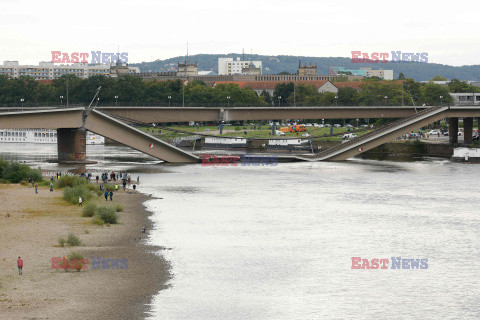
[(277, 242)]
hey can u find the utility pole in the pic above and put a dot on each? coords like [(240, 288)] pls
[(67, 91)]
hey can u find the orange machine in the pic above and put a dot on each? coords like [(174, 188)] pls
[(296, 128)]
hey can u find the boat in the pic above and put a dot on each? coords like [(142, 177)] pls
[(41, 136), (471, 155)]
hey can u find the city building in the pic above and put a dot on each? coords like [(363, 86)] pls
[(228, 66), (50, 71), (382, 74), (269, 86), (186, 69), (365, 72), (466, 99), (310, 70)]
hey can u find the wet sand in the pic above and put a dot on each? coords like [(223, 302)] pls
[(32, 229)]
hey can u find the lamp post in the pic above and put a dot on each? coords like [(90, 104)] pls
[(228, 101), (386, 100), (61, 101), (169, 98), (336, 100), (116, 101), (441, 101), (279, 97), (21, 100)]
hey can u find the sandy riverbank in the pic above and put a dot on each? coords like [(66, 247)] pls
[(32, 230)]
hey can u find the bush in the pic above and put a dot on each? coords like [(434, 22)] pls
[(237, 128), (97, 220), (61, 241), (71, 194), (108, 215), (89, 210), (15, 172), (119, 208), (70, 181), (75, 260), (73, 240)]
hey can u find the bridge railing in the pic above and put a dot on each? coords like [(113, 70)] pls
[(375, 132)]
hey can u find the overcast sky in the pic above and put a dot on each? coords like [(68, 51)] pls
[(149, 30)]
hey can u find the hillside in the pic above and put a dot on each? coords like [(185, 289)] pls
[(276, 64)]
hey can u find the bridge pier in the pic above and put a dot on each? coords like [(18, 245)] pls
[(71, 145), (453, 130), (467, 130)]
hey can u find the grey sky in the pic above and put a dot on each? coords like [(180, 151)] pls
[(149, 30)]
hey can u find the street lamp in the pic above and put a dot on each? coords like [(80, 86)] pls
[(169, 98), (441, 101), (116, 101), (21, 100), (336, 100), (228, 101), (279, 97), (386, 100), (61, 101)]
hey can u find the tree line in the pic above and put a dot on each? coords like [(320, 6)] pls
[(131, 90)]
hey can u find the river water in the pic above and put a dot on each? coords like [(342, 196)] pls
[(276, 242)]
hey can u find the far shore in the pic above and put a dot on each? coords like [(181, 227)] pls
[(31, 225)]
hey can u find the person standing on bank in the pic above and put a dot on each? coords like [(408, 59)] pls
[(80, 201), (51, 186), (111, 195), (20, 265), (106, 195)]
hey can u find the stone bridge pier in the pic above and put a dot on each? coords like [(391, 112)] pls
[(453, 130), (72, 145)]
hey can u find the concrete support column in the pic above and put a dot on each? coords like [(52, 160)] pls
[(453, 130), (467, 130), (71, 145)]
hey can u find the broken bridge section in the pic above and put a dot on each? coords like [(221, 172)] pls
[(114, 129)]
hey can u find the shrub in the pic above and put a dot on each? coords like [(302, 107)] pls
[(119, 208), (237, 128), (70, 181), (75, 260), (108, 215), (89, 210), (61, 241), (97, 220), (24, 183), (73, 240), (15, 172), (71, 194)]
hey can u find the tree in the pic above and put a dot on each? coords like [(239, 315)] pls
[(432, 92), (347, 96), (401, 76), (438, 78), (283, 90), (284, 73), (266, 97), (457, 86)]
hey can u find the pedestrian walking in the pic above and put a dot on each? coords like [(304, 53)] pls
[(116, 187), (111, 195), (36, 188), (134, 187), (20, 265), (124, 184), (138, 179), (106, 195), (51, 186), (80, 201), (97, 177)]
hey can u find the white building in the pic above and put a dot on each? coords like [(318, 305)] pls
[(50, 71), (229, 66), (382, 74)]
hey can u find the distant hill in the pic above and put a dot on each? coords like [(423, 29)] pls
[(276, 64)]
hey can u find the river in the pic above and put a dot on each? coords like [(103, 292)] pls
[(276, 242)]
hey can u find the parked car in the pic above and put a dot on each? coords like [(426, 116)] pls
[(434, 133), (328, 125), (279, 133), (349, 136), (308, 125), (336, 125)]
